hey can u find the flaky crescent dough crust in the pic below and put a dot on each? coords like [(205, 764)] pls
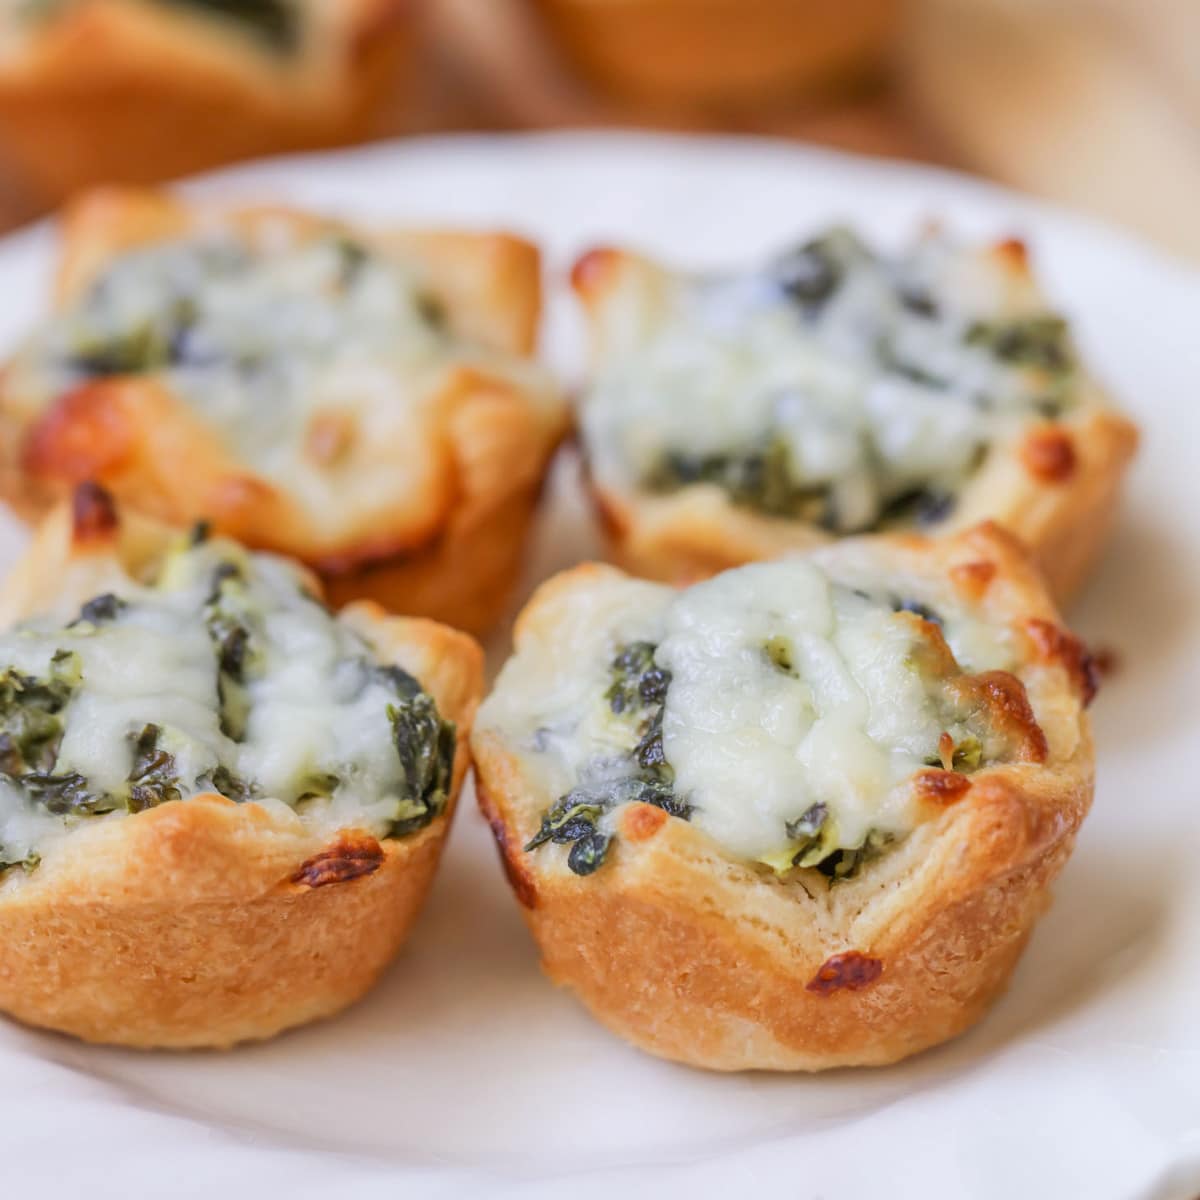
[(203, 922), (128, 91), (447, 547), (697, 956), (1056, 489)]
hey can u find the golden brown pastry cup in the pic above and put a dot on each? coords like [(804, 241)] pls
[(449, 548), (1057, 487), (695, 955), (119, 91), (203, 922)]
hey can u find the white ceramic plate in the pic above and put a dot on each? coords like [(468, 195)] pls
[(465, 1073)]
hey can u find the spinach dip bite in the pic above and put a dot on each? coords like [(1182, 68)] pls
[(836, 390), (93, 91), (221, 804), (803, 814), (363, 402)]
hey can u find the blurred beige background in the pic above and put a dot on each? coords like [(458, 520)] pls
[(1093, 103)]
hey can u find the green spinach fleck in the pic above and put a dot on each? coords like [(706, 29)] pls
[(810, 274), (846, 863), (277, 23), (99, 609), (1041, 341), (587, 854), (12, 858), (231, 786), (31, 722), (919, 506), (225, 618), (125, 352), (67, 795), (153, 778), (425, 745), (637, 692), (779, 651), (761, 478)]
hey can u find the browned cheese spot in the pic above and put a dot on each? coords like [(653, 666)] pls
[(592, 269), (329, 437), (1049, 454), (1002, 696), (93, 513), (86, 434), (640, 822), (852, 970), (971, 579), (941, 788), (1055, 645), (931, 652), (1014, 253), (350, 857), (946, 750)]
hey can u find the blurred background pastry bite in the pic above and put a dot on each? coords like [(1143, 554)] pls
[(360, 399), (1035, 93), (743, 55), (95, 91)]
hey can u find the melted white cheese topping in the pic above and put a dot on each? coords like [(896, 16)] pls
[(261, 335), (317, 705), (752, 746), (875, 391)]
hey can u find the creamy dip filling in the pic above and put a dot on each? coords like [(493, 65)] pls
[(783, 708), (222, 674), (836, 386), (268, 339)]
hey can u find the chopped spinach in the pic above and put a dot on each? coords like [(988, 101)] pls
[(277, 23), (812, 273), (122, 352), (891, 359), (761, 478), (968, 754), (566, 821), (12, 858), (908, 604), (98, 609), (317, 784), (425, 745), (1041, 341), (231, 786), (432, 310), (649, 753), (917, 301), (31, 730), (67, 795), (224, 617), (779, 651), (920, 506), (587, 854), (812, 839), (637, 681), (31, 723), (153, 778), (809, 824), (353, 256), (845, 863), (638, 692)]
